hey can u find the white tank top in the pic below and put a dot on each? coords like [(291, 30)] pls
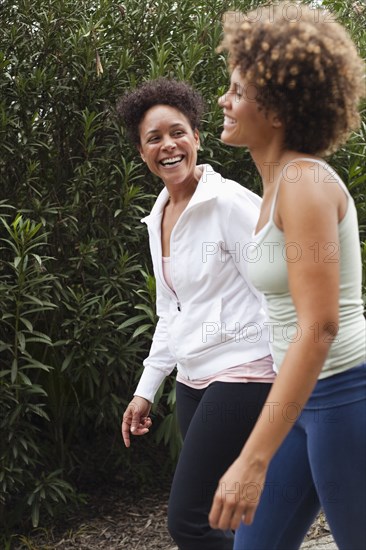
[(267, 269)]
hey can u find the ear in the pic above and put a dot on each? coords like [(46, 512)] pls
[(141, 153), (197, 138), (276, 121)]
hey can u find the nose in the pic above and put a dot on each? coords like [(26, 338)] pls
[(168, 142), (223, 99)]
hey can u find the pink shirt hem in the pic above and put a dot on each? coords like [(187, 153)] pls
[(260, 370)]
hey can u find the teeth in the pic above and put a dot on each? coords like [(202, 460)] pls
[(172, 160), (228, 120)]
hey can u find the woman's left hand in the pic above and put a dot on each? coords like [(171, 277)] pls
[(237, 496)]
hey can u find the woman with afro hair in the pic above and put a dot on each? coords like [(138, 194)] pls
[(296, 84), (211, 326)]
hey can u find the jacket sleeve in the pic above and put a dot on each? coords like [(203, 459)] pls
[(241, 221), (160, 362)]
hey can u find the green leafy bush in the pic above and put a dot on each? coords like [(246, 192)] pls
[(76, 290)]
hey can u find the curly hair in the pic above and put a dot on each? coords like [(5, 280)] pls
[(305, 68), (162, 91)]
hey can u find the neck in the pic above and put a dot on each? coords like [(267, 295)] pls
[(270, 162), (183, 192)]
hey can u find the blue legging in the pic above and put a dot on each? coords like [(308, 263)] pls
[(321, 463)]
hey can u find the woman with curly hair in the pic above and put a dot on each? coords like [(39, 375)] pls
[(296, 83), (211, 322)]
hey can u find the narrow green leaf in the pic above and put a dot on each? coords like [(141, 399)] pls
[(141, 330), (66, 362), (35, 514), (14, 370), (131, 321), (27, 323), (21, 340)]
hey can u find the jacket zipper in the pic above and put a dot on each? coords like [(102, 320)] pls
[(179, 305), (178, 302), (162, 279)]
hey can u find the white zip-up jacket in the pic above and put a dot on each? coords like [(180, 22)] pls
[(215, 319)]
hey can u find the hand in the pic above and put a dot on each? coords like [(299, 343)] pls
[(136, 419), (237, 496)]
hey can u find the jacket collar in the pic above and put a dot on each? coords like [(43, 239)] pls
[(205, 191)]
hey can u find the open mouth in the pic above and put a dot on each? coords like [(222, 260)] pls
[(229, 121), (172, 161)]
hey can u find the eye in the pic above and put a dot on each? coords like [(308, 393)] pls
[(238, 91), (178, 133), (152, 139)]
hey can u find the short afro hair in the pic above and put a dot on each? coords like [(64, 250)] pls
[(305, 68), (132, 107)]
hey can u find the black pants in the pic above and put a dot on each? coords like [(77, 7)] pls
[(215, 422)]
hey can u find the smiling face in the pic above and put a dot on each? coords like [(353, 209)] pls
[(244, 123), (168, 144)]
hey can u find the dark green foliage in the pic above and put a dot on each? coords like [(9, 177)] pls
[(76, 292)]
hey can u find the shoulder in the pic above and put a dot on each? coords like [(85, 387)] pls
[(309, 177), (232, 200), (229, 190), (239, 198), (308, 195)]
